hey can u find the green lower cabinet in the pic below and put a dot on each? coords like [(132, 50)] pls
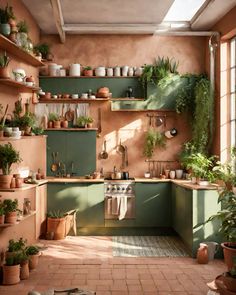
[(88, 199), (193, 207), (95, 212), (153, 204)]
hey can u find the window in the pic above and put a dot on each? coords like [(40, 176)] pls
[(232, 92)]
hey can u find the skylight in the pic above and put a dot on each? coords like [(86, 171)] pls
[(183, 10)]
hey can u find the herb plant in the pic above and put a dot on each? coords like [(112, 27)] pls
[(42, 48), (8, 156), (153, 139), (55, 214), (14, 246), (53, 117), (32, 250), (22, 27)]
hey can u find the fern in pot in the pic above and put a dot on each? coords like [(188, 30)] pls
[(8, 156)]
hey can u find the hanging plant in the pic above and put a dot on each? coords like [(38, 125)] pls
[(203, 116), (153, 140), (162, 68)]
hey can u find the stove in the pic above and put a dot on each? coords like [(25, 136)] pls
[(115, 190)]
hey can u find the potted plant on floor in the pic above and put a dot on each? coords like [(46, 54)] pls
[(201, 167), (4, 61), (229, 278), (33, 254), (8, 156), (24, 266), (56, 224), (11, 270), (15, 246), (11, 210)]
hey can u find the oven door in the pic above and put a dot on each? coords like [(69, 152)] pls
[(112, 211)]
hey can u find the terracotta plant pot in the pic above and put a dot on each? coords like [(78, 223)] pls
[(24, 270), (5, 181), (1, 133), (27, 130), (33, 261), (11, 217), (64, 124), (11, 274), (230, 282), (56, 124), (89, 125), (56, 226), (50, 124), (229, 250), (4, 73), (2, 219), (88, 73)]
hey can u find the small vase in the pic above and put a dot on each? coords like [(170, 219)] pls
[(172, 174), (2, 219), (57, 124), (5, 29), (202, 254)]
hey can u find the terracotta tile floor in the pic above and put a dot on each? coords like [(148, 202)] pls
[(87, 262)]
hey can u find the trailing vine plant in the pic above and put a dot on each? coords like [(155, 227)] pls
[(153, 140)]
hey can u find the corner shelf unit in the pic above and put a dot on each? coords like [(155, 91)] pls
[(21, 86), (19, 221), (12, 48)]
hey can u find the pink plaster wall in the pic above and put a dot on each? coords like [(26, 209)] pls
[(131, 127)]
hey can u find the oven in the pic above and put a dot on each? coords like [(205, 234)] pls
[(119, 199)]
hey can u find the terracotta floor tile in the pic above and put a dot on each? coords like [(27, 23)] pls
[(87, 263)]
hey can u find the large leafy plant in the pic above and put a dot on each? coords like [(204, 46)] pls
[(8, 156)]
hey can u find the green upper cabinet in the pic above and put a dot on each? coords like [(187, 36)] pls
[(117, 85), (157, 97), (153, 204), (78, 147)]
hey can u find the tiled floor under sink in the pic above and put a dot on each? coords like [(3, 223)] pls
[(87, 262)]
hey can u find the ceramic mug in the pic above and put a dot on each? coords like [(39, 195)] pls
[(172, 174), (213, 247), (179, 173)]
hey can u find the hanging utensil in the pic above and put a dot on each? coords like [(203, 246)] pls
[(126, 157), (120, 148), (99, 123), (104, 154), (69, 115), (54, 166)]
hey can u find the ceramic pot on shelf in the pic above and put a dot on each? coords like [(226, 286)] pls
[(100, 71), (117, 71), (74, 70), (109, 72), (125, 71)]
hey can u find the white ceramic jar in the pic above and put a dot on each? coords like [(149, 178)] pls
[(109, 72), (52, 69), (172, 174), (179, 173), (74, 70), (131, 72), (125, 71), (117, 71), (100, 71), (138, 71)]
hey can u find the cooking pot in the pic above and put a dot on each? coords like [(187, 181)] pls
[(116, 175), (125, 175), (103, 92)]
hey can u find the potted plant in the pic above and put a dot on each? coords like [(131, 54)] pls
[(88, 71), (11, 270), (51, 118), (153, 139), (56, 224), (8, 156), (22, 35), (5, 27), (89, 123), (11, 210), (2, 213), (42, 49), (56, 120), (82, 121), (15, 246), (4, 61), (201, 168), (33, 253), (25, 122), (24, 265)]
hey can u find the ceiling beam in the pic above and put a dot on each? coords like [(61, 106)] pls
[(57, 12)]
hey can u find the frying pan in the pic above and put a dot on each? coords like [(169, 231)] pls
[(104, 154)]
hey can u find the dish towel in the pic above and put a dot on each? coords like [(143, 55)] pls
[(123, 207), (115, 205)]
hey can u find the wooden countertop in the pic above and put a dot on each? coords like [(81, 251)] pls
[(25, 186), (52, 179)]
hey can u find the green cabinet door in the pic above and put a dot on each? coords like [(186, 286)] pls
[(66, 196), (182, 213), (95, 212), (153, 204)]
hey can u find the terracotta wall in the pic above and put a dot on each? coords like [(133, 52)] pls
[(227, 29), (130, 127), (9, 95), (32, 151)]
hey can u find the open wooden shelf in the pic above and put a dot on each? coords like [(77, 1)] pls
[(127, 99), (12, 48), (19, 221), (89, 77), (5, 138), (21, 86), (71, 100), (71, 129)]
